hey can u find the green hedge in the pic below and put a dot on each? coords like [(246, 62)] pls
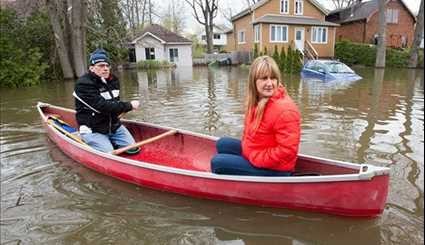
[(365, 54), (289, 60), (21, 62)]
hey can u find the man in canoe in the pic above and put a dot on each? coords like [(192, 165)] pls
[(98, 106), (271, 134)]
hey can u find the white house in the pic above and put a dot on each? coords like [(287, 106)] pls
[(158, 43), (219, 36)]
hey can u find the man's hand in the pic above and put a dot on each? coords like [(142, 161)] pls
[(135, 104)]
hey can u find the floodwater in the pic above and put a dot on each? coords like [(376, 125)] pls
[(47, 198)]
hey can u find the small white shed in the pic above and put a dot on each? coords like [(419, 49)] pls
[(158, 43)]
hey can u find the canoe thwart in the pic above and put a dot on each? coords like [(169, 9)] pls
[(144, 142)]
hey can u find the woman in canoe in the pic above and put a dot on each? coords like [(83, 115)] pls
[(271, 135)]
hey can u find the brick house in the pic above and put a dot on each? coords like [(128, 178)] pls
[(360, 22), (281, 23)]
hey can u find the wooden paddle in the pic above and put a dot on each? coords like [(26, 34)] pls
[(74, 137), (144, 142)]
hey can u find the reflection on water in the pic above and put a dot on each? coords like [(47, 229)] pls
[(206, 100), (48, 198)]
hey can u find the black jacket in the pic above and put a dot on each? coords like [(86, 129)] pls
[(104, 100)]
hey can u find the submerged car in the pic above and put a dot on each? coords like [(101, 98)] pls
[(328, 70)]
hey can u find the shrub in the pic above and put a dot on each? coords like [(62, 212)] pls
[(198, 51), (365, 54), (282, 59), (154, 64), (288, 61), (297, 63), (255, 52), (276, 55), (20, 65)]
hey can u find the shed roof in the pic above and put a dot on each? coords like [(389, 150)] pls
[(163, 34)]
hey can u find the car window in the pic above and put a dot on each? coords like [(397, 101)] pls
[(320, 67), (310, 65), (337, 67)]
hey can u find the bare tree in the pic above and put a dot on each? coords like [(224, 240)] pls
[(173, 19), (381, 47), (134, 12), (227, 13), (150, 12), (61, 47), (208, 9), (68, 21), (78, 35), (414, 53), (250, 2), (340, 4), (138, 13)]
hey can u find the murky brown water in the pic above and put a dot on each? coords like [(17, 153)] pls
[(46, 198)]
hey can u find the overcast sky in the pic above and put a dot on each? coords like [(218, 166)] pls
[(192, 26)]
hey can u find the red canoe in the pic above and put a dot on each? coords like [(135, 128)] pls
[(180, 163)]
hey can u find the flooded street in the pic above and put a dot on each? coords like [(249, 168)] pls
[(47, 198)]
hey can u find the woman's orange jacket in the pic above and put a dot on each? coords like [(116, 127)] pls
[(274, 145)]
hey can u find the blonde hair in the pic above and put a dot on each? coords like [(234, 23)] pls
[(261, 67)]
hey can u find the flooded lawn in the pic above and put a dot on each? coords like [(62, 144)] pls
[(46, 198)]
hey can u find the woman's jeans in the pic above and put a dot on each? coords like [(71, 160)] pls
[(106, 142), (229, 160)]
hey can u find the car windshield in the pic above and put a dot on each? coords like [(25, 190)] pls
[(337, 67)]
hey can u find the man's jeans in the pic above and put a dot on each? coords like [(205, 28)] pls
[(106, 142), (229, 160)]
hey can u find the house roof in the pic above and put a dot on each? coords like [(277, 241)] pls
[(242, 14), (280, 19), (262, 2), (360, 11), (222, 28), (162, 34)]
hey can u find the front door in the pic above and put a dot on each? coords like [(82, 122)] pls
[(299, 38)]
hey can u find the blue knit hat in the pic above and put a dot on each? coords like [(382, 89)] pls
[(99, 55)]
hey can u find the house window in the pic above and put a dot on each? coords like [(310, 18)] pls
[(298, 7), (319, 35), (150, 53), (174, 55), (204, 37), (241, 37), (392, 16), (217, 36), (257, 33), (279, 33), (284, 6)]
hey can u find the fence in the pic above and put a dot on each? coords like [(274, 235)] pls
[(236, 57)]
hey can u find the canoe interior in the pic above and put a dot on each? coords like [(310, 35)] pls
[(186, 151)]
